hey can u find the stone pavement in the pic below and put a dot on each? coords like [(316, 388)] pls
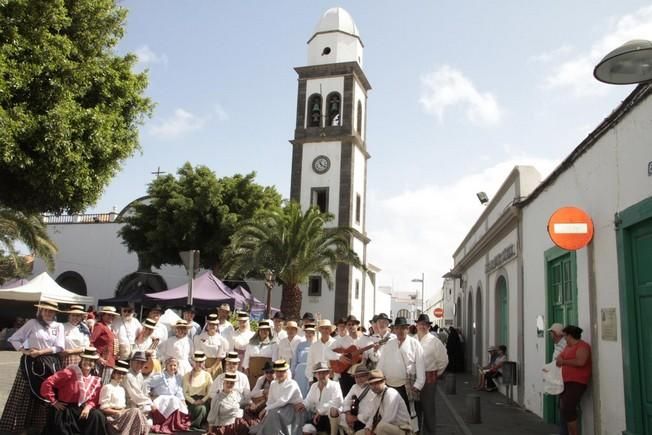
[(499, 417), (8, 367)]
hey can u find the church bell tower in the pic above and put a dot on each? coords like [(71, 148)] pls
[(329, 152)]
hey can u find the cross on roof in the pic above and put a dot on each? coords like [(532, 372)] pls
[(158, 172)]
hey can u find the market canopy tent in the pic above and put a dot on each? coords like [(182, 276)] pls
[(207, 292), (256, 307), (44, 287)]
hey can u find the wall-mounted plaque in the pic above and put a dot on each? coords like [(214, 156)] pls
[(609, 324)]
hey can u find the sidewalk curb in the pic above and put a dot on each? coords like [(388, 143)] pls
[(458, 419)]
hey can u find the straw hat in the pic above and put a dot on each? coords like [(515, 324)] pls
[(182, 324), (242, 316), (199, 356), (376, 376), (149, 323), (232, 357), (47, 305), (230, 376), (291, 324), (212, 319), (121, 366), (326, 324), (359, 369), (76, 309), (281, 365), (225, 307), (320, 367), (264, 324), (309, 327), (139, 355), (109, 310), (89, 353)]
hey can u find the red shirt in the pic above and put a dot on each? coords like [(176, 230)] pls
[(104, 341), (582, 374), (65, 386)]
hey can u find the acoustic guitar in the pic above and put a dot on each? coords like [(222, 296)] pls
[(353, 353)]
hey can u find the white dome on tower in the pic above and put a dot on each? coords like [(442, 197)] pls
[(337, 19), (336, 39)]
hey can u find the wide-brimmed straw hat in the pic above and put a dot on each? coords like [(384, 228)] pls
[(230, 376), (47, 305), (76, 309), (242, 316), (139, 355), (309, 327), (182, 324), (359, 369), (109, 310), (264, 324), (280, 365), (291, 324), (225, 307), (213, 319), (199, 356), (326, 324), (89, 353), (121, 366)]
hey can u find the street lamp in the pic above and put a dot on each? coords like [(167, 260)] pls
[(421, 281), (269, 284), (626, 65)]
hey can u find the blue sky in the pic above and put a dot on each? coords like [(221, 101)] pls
[(462, 91)]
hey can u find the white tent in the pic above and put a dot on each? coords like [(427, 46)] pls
[(44, 287)]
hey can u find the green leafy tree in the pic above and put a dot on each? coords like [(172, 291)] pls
[(28, 229), (293, 244), (197, 210), (69, 105)]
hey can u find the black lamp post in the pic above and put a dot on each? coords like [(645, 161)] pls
[(269, 284)]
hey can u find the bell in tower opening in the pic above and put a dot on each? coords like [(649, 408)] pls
[(334, 109)]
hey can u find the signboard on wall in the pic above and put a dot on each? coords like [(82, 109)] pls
[(609, 324)]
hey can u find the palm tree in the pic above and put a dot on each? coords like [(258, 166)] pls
[(28, 229), (293, 244)]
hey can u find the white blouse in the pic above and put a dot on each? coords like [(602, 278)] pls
[(240, 339), (281, 394), (34, 336), (74, 337), (321, 401), (214, 346), (268, 350), (112, 396)]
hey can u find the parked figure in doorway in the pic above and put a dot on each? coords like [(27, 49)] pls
[(575, 363), (455, 351)]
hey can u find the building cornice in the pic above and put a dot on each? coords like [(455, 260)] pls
[(334, 69), (354, 139)]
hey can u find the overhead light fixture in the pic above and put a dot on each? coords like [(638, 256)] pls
[(628, 64), (482, 197)]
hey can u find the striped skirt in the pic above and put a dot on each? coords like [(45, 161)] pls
[(67, 360), (130, 422), (22, 409)]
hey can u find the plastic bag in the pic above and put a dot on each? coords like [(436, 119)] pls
[(553, 383)]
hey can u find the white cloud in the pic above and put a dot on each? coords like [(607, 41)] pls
[(147, 57), (552, 55), (447, 87), (418, 230), (179, 123), (577, 74)]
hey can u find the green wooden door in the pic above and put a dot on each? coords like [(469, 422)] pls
[(641, 291), (561, 294), (503, 311)]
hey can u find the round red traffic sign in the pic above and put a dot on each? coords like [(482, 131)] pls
[(438, 312), (570, 228)]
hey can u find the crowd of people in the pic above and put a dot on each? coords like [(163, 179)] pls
[(108, 372)]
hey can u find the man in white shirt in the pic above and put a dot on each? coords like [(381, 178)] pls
[(323, 402), (381, 329), (277, 331), (285, 409), (188, 315), (126, 328), (288, 345), (321, 351), (224, 327), (136, 390), (391, 415), (402, 362), (436, 360), (357, 408)]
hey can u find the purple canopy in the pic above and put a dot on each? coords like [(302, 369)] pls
[(207, 291), (256, 307)]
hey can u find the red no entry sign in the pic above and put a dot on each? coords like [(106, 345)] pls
[(570, 228), (438, 312)]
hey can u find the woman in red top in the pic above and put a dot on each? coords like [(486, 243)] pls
[(575, 363), (74, 394), (105, 342)]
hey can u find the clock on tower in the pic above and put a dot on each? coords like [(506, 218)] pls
[(329, 152)]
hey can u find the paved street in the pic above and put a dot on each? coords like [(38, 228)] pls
[(8, 366)]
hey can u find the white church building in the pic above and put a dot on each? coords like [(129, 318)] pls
[(329, 170)]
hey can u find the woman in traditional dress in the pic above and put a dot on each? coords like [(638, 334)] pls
[(225, 417), (74, 394), (146, 342), (113, 403), (240, 338), (106, 343), (178, 347), (77, 336), (213, 345), (169, 411), (39, 340), (300, 359), (196, 390), (261, 348)]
